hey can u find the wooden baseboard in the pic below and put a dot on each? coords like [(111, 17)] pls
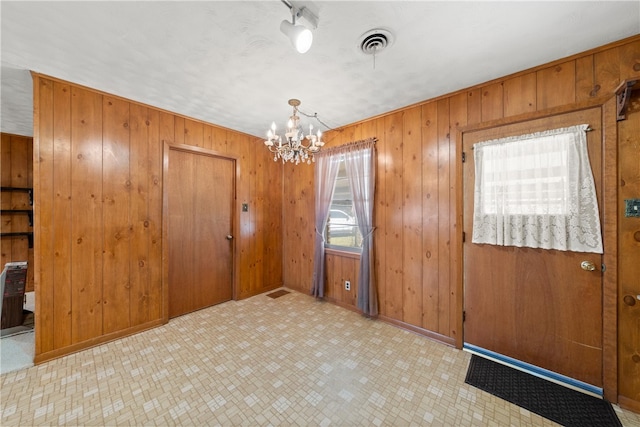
[(64, 351), (402, 325), (421, 331), (630, 404)]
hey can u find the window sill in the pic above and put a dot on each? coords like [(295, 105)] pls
[(342, 253)]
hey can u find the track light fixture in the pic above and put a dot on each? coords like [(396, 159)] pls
[(301, 37)]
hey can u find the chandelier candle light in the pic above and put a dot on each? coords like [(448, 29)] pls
[(292, 148)]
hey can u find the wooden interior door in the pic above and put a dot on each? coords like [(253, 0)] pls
[(200, 195), (534, 305)]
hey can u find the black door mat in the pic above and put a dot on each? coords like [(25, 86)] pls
[(549, 400), (277, 294)]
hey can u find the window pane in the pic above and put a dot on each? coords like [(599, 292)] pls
[(526, 177), (342, 226)]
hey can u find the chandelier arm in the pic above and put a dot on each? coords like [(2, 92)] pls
[(315, 116)]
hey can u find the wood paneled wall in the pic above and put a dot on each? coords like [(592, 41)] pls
[(17, 171), (629, 250), (98, 219), (416, 239)]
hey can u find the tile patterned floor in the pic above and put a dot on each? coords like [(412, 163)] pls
[(260, 362)]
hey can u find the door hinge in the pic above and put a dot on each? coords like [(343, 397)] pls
[(464, 236), (464, 157), (464, 316)]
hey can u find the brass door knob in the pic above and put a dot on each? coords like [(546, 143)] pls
[(587, 265)]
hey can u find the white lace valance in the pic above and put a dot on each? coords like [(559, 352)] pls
[(537, 191)]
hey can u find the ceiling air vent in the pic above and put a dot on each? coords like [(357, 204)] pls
[(375, 41)]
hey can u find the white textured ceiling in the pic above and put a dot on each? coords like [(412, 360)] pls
[(228, 63)]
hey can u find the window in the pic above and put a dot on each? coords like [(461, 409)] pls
[(536, 191), (342, 230)]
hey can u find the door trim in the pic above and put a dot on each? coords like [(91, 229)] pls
[(609, 227), (168, 146)]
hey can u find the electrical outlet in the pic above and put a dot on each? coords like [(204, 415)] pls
[(347, 285)]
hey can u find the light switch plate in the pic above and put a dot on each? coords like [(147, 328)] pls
[(632, 208)]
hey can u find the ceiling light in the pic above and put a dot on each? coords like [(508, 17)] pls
[(301, 37), (292, 148)]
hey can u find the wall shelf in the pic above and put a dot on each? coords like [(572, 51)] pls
[(27, 212), (27, 234), (20, 189)]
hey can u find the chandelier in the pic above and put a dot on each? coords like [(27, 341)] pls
[(292, 147)]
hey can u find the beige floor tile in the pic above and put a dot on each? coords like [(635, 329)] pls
[(261, 362)]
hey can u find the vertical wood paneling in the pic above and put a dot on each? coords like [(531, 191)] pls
[(629, 60), (139, 221), (249, 158), (332, 272), (46, 301), (116, 230), (394, 276), (193, 133), (156, 136), (180, 129), (519, 95), (430, 254), (166, 136), (629, 246), (86, 214), (259, 213), (458, 119), (380, 215), (307, 222), (243, 241), (556, 85), (606, 66), (412, 217), (585, 86), (492, 102), (474, 106), (62, 238), (100, 206), (444, 223), (269, 195), (219, 140), (207, 137)]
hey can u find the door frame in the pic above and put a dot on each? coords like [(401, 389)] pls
[(609, 226), (235, 220)]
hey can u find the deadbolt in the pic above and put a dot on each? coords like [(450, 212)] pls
[(629, 300), (588, 266)]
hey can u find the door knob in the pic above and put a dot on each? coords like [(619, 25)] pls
[(587, 265), (229, 237)]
